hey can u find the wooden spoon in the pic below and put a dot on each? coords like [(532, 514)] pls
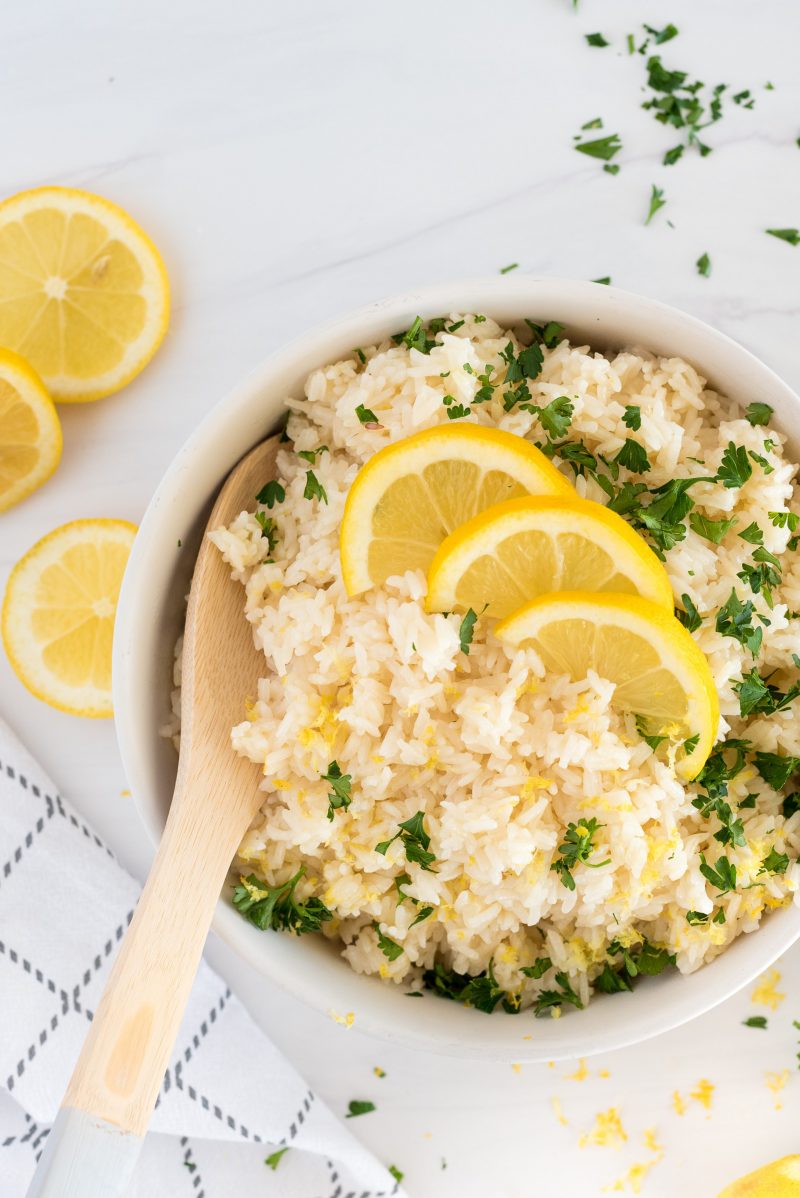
[(92, 1148)]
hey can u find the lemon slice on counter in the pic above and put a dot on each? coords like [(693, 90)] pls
[(410, 495), (658, 670), (58, 614), (527, 547), (84, 294), (30, 431), (780, 1179)]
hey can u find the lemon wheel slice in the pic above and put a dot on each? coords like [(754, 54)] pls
[(85, 297), (658, 670), (30, 431), (58, 614), (410, 495), (527, 547), (779, 1179)]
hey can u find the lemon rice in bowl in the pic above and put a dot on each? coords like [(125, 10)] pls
[(500, 907)]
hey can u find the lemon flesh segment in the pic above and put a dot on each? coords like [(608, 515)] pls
[(413, 493), (30, 431), (84, 295), (58, 614), (658, 671), (518, 550), (779, 1179)]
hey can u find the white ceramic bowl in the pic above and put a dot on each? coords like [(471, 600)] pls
[(149, 621)]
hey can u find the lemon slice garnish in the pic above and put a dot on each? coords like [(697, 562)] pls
[(779, 1179), (85, 297), (658, 670), (30, 431), (527, 547), (58, 614), (410, 495)]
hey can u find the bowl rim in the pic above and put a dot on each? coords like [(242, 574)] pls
[(720, 979)]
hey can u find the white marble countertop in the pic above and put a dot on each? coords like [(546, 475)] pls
[(296, 160)]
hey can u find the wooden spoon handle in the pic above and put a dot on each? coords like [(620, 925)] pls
[(127, 1049)]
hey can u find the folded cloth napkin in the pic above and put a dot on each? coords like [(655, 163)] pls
[(230, 1101)]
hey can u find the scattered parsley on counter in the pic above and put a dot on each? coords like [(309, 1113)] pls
[(504, 270), (632, 417), (277, 907), (396, 1173), (605, 281), (790, 235), (340, 796), (759, 414), (274, 1159), (596, 39), (601, 147), (358, 1106), (271, 494), (575, 849), (759, 1021), (672, 156), (660, 36), (703, 265), (314, 488), (390, 949), (378, 1071), (415, 841), (657, 202)]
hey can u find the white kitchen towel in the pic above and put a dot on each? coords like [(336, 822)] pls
[(229, 1101)]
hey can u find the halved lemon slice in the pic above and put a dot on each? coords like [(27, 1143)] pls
[(84, 294), (779, 1179), (410, 495), (58, 614), (30, 431), (517, 550), (658, 670)]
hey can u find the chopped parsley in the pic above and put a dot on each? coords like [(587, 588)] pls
[(274, 1158), (776, 769), (269, 529), (712, 530), (630, 962), (389, 948), (633, 457), (759, 1021), (547, 999), (762, 574), (690, 617), (311, 455), (367, 417), (670, 158), (703, 263), (396, 1173), (632, 417), (757, 696), (601, 147), (424, 912), (660, 36), (596, 39), (759, 414), (416, 337), (657, 201), (788, 520), (790, 805), (538, 969), (359, 1106), (790, 235), (466, 630), (271, 493), (314, 488), (415, 841), (362, 357), (277, 907), (504, 270), (556, 416), (480, 991), (722, 874), (340, 795), (605, 281), (455, 411), (653, 741), (713, 780), (774, 862), (575, 849), (735, 619), (735, 469), (752, 534)]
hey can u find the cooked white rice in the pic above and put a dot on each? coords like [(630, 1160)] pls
[(499, 756)]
